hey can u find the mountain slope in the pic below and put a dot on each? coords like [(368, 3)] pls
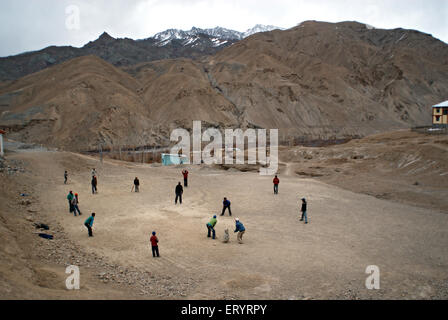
[(119, 52), (76, 104), (168, 44), (324, 79), (314, 81)]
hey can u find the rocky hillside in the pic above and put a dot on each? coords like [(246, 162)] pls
[(324, 79), (76, 103), (168, 44), (119, 52), (314, 81)]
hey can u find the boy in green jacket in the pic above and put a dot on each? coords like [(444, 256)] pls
[(211, 227), (89, 223), (70, 197)]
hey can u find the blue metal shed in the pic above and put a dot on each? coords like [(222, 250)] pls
[(173, 159)]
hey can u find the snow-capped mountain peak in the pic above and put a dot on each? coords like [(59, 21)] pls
[(218, 35), (170, 34), (259, 28), (224, 33)]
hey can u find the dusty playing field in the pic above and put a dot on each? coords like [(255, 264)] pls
[(281, 258)]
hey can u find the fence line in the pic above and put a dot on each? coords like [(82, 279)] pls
[(431, 129)]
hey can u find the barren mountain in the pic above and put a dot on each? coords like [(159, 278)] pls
[(119, 52), (171, 43), (76, 103), (324, 79), (314, 81)]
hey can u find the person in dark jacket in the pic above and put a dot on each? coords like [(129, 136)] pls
[(179, 191), (303, 210), (239, 227), (185, 174), (94, 185), (65, 177), (226, 205), (70, 197), (154, 245), (136, 184), (89, 223), (211, 227), (276, 182)]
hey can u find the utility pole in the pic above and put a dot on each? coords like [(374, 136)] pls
[(2, 153), (100, 147)]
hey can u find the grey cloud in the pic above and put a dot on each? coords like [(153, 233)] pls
[(27, 25)]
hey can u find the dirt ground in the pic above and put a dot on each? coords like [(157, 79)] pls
[(281, 258), (401, 166)]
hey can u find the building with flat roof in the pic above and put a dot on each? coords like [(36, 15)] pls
[(440, 114)]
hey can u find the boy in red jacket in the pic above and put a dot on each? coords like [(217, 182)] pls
[(276, 183), (185, 174), (154, 245)]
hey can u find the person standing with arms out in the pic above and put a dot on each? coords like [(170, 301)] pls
[(75, 203), (179, 191), (70, 197), (226, 205), (94, 185), (89, 223), (239, 227), (136, 184), (185, 174), (65, 177), (154, 245), (211, 227), (276, 183), (303, 210)]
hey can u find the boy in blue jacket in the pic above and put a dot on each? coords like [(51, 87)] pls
[(240, 229), (226, 205)]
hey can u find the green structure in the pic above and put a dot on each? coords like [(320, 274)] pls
[(173, 159)]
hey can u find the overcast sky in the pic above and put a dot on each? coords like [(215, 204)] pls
[(27, 25)]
